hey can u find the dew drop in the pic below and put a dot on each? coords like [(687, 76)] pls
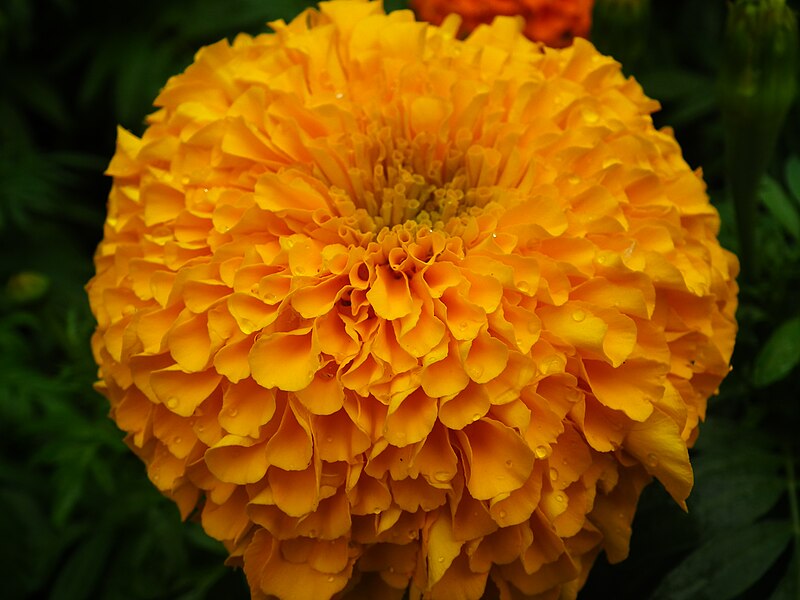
[(185, 180), (330, 578), (270, 298), (477, 371), (502, 514), (476, 416), (377, 510), (509, 463), (412, 533), (232, 412), (463, 325), (172, 402), (553, 474), (578, 316), (339, 95), (391, 569), (329, 439), (652, 459), (560, 497), (201, 427), (177, 439), (312, 533), (440, 559), (540, 451)]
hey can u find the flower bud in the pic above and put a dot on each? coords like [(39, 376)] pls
[(758, 83)]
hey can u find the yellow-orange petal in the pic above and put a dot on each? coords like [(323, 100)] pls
[(658, 445), (499, 460), (287, 361), (183, 392), (237, 459)]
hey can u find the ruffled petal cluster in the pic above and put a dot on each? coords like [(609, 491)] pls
[(553, 22), (386, 309)]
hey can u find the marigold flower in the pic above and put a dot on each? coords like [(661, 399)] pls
[(391, 309), (554, 22)]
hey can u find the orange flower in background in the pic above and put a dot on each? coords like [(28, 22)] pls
[(391, 310), (554, 22)]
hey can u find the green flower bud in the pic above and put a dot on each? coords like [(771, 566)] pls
[(27, 287), (758, 83), (619, 28)]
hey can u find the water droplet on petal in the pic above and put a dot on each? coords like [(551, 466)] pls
[(476, 416), (477, 371), (391, 569), (652, 460), (330, 578), (177, 439), (329, 439), (553, 474), (540, 451), (440, 559), (502, 514), (578, 316), (559, 496), (172, 402), (509, 463), (232, 412)]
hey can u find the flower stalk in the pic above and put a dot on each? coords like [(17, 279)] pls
[(758, 84)]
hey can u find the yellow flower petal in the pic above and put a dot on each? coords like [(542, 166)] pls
[(237, 459), (183, 392), (287, 361), (499, 460)]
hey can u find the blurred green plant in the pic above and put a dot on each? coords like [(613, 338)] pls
[(78, 517), (758, 81)]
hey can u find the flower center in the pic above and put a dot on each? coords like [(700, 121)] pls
[(419, 183)]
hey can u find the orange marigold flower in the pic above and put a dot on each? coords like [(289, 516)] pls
[(554, 22), (395, 310)]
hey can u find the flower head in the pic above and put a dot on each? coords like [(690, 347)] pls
[(391, 309), (554, 22)]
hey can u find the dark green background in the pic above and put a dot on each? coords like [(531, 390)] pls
[(78, 517)]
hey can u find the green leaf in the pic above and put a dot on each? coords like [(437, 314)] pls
[(728, 564), (80, 574), (732, 490), (793, 176), (789, 587), (779, 205), (780, 355)]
